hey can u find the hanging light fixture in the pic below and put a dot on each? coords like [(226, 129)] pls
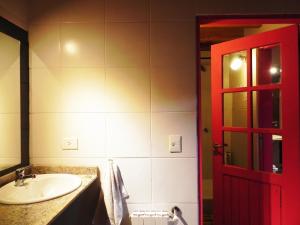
[(237, 62)]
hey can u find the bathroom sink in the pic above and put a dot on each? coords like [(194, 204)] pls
[(43, 187)]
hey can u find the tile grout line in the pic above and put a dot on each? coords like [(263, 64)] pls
[(105, 79), (103, 112), (151, 118), (118, 157)]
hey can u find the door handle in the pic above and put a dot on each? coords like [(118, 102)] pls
[(219, 145), (216, 147)]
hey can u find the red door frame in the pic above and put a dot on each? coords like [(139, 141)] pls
[(219, 20)]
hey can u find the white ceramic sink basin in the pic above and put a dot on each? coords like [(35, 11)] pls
[(43, 187)]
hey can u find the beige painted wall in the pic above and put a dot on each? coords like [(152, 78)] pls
[(206, 116)]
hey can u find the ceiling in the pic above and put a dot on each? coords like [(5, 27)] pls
[(211, 34)]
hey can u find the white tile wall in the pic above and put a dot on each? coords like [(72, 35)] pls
[(136, 173), (82, 11), (128, 89), (44, 85), (172, 10), (44, 45), (127, 44), (83, 89), (15, 11), (118, 75), (173, 89), (173, 44), (44, 12), (68, 90), (127, 10), (88, 42), (128, 134), (164, 124), (48, 130), (174, 180)]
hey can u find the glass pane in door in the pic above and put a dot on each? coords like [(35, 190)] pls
[(266, 65), (235, 109), (267, 152), (235, 70), (235, 150), (266, 109)]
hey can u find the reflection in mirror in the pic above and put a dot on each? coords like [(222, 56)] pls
[(235, 70), (235, 109), (266, 66), (10, 111), (267, 153), (235, 150), (266, 109)]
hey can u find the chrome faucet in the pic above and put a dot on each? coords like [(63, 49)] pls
[(20, 177)]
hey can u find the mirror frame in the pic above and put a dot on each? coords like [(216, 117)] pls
[(21, 35)]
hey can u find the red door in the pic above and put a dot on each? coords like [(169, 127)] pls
[(255, 120)]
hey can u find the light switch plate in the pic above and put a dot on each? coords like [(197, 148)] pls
[(175, 143), (70, 144)]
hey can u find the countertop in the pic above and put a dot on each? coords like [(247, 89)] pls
[(43, 213)]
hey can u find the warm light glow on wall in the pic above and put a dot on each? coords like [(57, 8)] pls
[(83, 90), (71, 47)]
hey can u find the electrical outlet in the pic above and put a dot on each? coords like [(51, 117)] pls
[(70, 144), (175, 143)]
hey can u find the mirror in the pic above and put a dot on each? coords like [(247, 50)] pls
[(14, 101), (10, 112)]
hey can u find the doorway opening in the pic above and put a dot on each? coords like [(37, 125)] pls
[(214, 30)]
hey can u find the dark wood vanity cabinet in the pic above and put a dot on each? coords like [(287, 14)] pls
[(82, 209)]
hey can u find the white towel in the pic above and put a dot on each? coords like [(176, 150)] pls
[(114, 193)]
